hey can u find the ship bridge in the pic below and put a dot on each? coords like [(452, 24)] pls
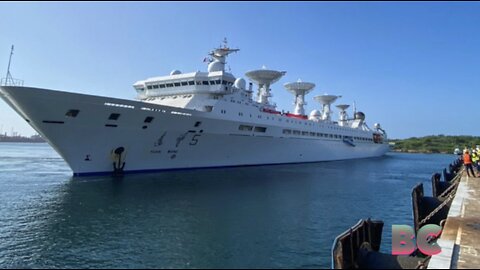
[(215, 81), (177, 83)]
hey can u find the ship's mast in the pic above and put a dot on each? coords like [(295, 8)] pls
[(220, 54), (9, 78)]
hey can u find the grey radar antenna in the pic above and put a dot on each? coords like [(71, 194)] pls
[(299, 89), (264, 78), (326, 101)]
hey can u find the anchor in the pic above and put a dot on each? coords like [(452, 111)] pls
[(118, 156)]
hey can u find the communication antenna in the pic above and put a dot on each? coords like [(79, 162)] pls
[(299, 89), (326, 101), (264, 78)]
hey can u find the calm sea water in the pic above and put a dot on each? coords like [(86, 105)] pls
[(270, 216)]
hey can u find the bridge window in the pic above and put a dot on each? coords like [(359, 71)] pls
[(205, 82), (162, 85), (177, 84), (169, 84), (191, 82), (184, 83)]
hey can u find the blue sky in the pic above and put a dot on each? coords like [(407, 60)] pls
[(413, 67)]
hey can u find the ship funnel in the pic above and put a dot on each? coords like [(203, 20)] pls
[(326, 101), (299, 89), (264, 78)]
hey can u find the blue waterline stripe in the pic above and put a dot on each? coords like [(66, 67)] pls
[(201, 168)]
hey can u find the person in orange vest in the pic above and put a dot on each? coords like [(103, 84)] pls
[(467, 161)]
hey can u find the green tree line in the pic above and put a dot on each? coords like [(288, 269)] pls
[(434, 144)]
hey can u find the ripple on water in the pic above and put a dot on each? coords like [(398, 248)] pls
[(274, 216)]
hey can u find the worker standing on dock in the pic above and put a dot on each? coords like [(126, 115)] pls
[(467, 161), (475, 159)]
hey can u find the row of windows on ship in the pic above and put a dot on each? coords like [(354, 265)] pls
[(149, 119), (304, 133), (185, 83)]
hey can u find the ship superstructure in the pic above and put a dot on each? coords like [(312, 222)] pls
[(194, 120)]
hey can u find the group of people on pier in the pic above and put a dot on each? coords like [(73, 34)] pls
[(471, 159)]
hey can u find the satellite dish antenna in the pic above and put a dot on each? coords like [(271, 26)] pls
[(343, 114), (326, 101), (299, 89), (264, 78), (342, 107)]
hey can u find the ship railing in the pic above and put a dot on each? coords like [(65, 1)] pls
[(11, 82)]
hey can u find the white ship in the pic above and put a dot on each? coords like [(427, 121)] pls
[(194, 120)]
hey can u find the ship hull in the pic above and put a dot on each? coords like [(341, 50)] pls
[(174, 139)]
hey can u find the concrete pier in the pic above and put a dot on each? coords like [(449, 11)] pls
[(460, 239)]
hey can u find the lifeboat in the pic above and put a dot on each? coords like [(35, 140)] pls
[(270, 111), (298, 116)]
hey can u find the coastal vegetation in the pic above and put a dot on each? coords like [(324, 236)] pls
[(434, 144)]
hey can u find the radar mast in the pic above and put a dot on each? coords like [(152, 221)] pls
[(219, 56)]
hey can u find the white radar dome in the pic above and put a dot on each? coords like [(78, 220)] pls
[(175, 72), (215, 66), (240, 83), (315, 113)]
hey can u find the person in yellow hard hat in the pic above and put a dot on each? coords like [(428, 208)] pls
[(475, 159)]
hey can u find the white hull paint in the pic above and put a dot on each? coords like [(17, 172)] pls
[(177, 138)]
